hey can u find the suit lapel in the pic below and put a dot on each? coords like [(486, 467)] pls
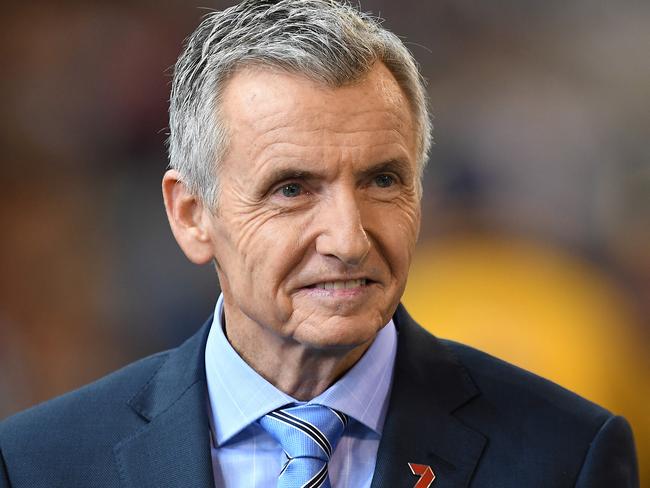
[(428, 386), (172, 448)]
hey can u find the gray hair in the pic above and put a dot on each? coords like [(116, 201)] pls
[(325, 40)]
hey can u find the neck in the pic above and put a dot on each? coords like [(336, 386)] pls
[(299, 370)]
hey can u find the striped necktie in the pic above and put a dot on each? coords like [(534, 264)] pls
[(308, 435)]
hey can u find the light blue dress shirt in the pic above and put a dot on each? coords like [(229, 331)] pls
[(245, 456)]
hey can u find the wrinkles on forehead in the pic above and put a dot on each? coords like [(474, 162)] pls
[(274, 94), (293, 118)]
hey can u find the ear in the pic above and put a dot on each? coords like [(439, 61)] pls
[(187, 218)]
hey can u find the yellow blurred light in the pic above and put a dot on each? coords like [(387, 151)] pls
[(540, 309)]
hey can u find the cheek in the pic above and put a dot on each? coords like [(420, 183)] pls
[(408, 217), (402, 211), (396, 228), (267, 247)]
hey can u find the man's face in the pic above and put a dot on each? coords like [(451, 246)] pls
[(318, 212)]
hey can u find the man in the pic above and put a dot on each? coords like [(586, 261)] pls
[(299, 132)]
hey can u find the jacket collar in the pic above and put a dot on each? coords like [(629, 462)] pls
[(429, 385), (172, 449)]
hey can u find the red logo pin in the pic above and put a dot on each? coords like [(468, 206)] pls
[(424, 472)]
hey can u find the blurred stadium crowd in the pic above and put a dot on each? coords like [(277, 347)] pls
[(535, 239)]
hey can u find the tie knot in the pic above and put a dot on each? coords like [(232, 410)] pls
[(306, 430)]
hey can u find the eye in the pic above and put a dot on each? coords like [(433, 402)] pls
[(291, 190), (384, 180)]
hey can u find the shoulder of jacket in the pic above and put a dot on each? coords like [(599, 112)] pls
[(516, 387), (107, 394)]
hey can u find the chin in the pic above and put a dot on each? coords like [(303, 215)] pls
[(341, 332)]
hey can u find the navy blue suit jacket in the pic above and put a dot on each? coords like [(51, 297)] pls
[(475, 420)]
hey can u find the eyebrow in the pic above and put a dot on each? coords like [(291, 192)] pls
[(275, 176), (282, 174), (400, 166)]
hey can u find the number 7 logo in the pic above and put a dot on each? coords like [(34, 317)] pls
[(424, 472)]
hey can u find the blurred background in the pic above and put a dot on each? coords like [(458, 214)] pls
[(536, 235)]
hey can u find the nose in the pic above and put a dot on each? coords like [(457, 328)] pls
[(342, 232)]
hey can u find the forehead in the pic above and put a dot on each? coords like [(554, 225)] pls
[(262, 101)]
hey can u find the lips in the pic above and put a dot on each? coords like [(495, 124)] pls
[(339, 284)]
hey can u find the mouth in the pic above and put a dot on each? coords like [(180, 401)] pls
[(340, 284)]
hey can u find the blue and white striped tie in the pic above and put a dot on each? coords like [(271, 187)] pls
[(308, 435)]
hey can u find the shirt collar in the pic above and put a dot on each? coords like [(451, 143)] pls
[(239, 395)]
